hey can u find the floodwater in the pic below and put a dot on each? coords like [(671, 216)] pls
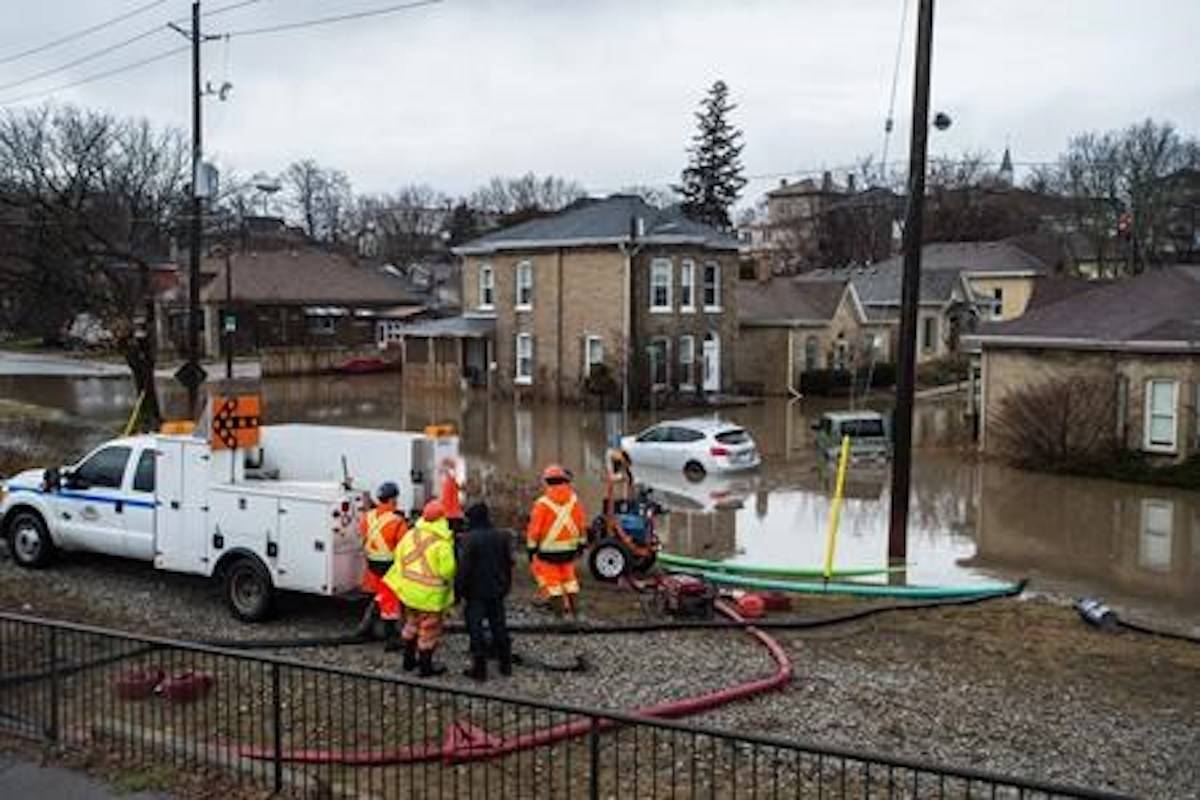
[(971, 521)]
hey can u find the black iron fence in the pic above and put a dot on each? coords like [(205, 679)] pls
[(308, 730)]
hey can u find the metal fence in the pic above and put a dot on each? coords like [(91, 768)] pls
[(308, 730)]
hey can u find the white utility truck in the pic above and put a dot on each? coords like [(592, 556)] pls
[(280, 515)]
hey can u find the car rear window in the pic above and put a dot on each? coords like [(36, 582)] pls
[(735, 436), (862, 427)]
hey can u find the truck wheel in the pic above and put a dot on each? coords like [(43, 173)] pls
[(248, 590), (29, 540), (609, 560)]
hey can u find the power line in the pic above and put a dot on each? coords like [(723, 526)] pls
[(83, 59), (70, 37), (376, 12), (98, 76)]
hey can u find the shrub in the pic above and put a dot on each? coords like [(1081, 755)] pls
[(1066, 424), (829, 382)]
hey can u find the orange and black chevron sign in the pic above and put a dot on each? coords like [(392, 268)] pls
[(234, 422)]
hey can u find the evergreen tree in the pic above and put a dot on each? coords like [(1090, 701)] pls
[(712, 180)]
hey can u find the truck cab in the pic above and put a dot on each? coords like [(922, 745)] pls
[(870, 442)]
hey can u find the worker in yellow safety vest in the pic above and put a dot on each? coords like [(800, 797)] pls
[(554, 538), (423, 578), (381, 529)]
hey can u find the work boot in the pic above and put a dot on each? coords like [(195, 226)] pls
[(478, 669), (410, 655), (427, 669), (391, 637), (505, 659)]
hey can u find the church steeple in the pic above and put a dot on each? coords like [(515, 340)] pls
[(1006, 168)]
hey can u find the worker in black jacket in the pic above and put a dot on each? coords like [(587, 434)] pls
[(483, 580)]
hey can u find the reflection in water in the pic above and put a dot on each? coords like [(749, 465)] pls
[(1137, 542)]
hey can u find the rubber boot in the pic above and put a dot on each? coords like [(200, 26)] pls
[(505, 659), (478, 669), (410, 655), (391, 637), (427, 669)]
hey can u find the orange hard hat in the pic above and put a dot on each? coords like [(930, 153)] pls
[(555, 472), (433, 511)]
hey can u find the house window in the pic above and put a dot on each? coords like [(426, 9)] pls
[(659, 372), (524, 286), (841, 351), (487, 287), (660, 284), (811, 354), (1162, 421), (687, 362), (1154, 545), (524, 365), (929, 334), (712, 286), (998, 305), (593, 354), (322, 326), (687, 286), (389, 332)]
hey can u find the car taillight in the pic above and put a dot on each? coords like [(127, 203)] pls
[(718, 451)]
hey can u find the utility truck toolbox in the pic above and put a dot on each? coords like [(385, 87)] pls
[(282, 515)]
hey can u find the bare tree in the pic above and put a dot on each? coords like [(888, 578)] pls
[(304, 181), (98, 197), (526, 196), (657, 196), (407, 223)]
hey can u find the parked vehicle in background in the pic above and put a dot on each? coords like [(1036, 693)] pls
[(698, 446), (870, 440)]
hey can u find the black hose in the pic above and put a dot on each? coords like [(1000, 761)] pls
[(66, 670), (1179, 637)]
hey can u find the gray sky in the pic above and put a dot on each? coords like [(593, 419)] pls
[(603, 90)]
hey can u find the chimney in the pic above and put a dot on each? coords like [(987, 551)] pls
[(782, 183), (827, 181), (850, 183)]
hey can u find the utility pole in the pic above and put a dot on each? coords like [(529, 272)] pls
[(911, 291), (193, 340)]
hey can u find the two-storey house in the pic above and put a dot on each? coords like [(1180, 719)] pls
[(645, 292)]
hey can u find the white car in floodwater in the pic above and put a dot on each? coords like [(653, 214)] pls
[(698, 446)]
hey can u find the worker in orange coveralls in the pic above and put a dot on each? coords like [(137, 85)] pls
[(451, 497), (554, 538), (381, 529)]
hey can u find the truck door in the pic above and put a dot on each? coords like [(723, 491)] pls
[(303, 547), (91, 507), (139, 508), (180, 487)]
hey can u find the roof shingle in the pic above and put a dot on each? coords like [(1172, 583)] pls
[(304, 276)]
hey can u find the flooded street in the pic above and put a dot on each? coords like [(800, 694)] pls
[(1136, 546)]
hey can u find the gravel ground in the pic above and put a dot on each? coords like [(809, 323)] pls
[(1020, 687)]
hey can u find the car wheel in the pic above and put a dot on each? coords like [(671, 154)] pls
[(248, 590), (693, 471), (609, 560), (29, 540)]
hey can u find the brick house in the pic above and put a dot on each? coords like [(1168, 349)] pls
[(790, 326), (643, 291), (1140, 337), (304, 297)]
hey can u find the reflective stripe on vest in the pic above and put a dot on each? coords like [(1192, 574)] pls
[(376, 546), (553, 541), (423, 572)]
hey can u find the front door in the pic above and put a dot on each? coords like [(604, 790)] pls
[(712, 363), (91, 506)]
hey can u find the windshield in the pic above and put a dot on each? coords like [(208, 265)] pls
[(735, 436), (860, 428)]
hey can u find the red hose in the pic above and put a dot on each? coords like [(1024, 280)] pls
[(466, 742)]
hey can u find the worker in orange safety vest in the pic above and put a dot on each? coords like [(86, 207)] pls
[(554, 538), (451, 496), (381, 529)]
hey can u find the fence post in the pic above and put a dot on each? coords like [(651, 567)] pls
[(52, 646), (594, 759), (277, 726)]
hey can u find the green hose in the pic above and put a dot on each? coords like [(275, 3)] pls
[(782, 572), (859, 589)]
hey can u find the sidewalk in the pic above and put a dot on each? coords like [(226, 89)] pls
[(22, 778)]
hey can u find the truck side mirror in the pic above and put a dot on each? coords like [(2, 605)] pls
[(51, 480)]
